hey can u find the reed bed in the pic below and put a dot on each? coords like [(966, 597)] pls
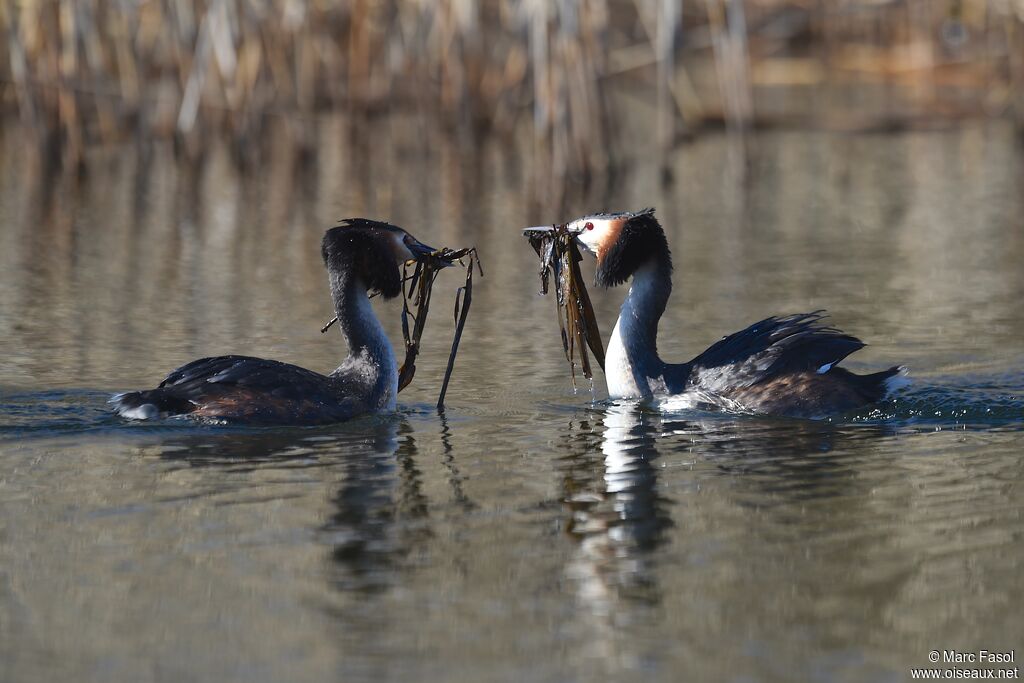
[(91, 71)]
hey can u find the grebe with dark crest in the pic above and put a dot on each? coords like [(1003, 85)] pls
[(784, 366), (362, 257)]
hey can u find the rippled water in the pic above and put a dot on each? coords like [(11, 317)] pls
[(529, 533)]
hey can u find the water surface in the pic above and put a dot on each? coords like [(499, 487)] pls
[(529, 532)]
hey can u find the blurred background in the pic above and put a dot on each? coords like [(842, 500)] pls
[(568, 76)]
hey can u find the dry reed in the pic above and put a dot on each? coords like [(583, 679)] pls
[(89, 70)]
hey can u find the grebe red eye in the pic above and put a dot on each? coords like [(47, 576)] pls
[(588, 226)]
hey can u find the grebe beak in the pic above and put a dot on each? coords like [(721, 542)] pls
[(539, 230), (418, 250)]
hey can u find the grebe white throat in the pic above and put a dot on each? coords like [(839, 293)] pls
[(632, 366), (371, 356)]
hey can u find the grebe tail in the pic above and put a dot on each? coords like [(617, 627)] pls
[(361, 257), (779, 366)]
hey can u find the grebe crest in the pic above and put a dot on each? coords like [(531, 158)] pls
[(371, 251)]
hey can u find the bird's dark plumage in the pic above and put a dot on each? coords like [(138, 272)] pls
[(361, 256), (783, 366), (254, 390), (778, 345)]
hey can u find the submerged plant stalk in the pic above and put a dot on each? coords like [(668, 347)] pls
[(463, 298)]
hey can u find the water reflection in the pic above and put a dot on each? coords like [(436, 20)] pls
[(613, 507), (455, 477), (798, 459), (379, 513), (243, 449), (620, 517)]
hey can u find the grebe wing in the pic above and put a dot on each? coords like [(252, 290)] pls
[(771, 347), (281, 380), (245, 389)]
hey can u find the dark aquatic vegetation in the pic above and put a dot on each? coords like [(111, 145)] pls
[(417, 288), (421, 284), (560, 257)]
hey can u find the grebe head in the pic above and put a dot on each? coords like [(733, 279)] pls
[(622, 242), (373, 252)]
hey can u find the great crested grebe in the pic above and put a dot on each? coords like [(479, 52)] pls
[(361, 256), (779, 366)]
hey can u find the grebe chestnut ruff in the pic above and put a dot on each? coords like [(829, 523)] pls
[(782, 366), (362, 256)]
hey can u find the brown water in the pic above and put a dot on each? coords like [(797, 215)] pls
[(530, 533)]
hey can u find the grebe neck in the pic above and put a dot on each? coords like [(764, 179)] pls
[(633, 368), (369, 350)]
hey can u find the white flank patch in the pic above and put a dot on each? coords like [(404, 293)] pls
[(147, 411), (698, 400), (680, 402), (897, 381)]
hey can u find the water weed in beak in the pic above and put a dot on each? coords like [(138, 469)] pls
[(420, 251), (560, 257)]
